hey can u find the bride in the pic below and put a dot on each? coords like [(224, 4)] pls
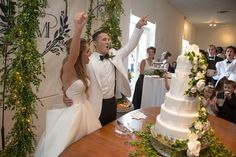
[(68, 124)]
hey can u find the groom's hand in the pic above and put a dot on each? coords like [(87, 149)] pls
[(142, 21), (66, 100)]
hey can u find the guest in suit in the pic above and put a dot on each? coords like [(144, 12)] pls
[(107, 73), (212, 59), (227, 111), (231, 69), (220, 52), (146, 66), (222, 66)]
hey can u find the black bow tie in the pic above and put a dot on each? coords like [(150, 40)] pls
[(211, 57), (228, 62), (106, 56)]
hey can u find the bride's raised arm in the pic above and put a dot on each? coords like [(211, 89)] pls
[(80, 20)]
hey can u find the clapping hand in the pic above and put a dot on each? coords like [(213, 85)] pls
[(227, 95), (142, 22)]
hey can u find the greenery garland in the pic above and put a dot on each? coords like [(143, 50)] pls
[(145, 148), (23, 78), (109, 11)]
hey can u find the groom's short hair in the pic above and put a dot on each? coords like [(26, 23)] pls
[(96, 34)]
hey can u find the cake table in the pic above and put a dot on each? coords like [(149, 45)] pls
[(106, 142)]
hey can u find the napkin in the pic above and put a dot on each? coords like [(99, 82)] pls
[(138, 115)]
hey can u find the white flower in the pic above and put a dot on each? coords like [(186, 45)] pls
[(194, 148), (203, 109), (198, 125), (201, 85), (200, 75), (193, 90), (192, 48), (192, 136)]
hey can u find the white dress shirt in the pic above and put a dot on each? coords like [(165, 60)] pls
[(221, 68), (106, 71)]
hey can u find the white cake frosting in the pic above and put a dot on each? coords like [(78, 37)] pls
[(178, 111)]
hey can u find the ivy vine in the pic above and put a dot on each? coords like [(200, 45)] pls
[(109, 13), (22, 71)]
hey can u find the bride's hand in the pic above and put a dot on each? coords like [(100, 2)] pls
[(80, 19)]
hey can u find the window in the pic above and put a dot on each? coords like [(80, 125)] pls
[(147, 39)]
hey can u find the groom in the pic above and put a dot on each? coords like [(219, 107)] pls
[(107, 73)]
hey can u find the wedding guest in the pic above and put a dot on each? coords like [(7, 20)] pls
[(232, 67), (146, 66), (227, 108), (166, 65), (223, 66), (107, 73), (67, 124), (212, 59), (220, 52), (210, 100), (220, 85)]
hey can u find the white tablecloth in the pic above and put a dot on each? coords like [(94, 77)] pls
[(153, 91)]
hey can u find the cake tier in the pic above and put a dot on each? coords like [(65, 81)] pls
[(179, 81), (177, 119), (174, 124), (186, 105), (183, 64), (171, 132), (179, 85)]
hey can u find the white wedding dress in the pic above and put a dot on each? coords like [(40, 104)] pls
[(68, 124)]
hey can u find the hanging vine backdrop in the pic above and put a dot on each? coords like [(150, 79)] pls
[(56, 45), (109, 13), (22, 63), (21, 72)]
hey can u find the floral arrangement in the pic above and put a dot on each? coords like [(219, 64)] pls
[(198, 70)]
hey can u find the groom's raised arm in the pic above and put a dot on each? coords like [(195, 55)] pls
[(133, 41)]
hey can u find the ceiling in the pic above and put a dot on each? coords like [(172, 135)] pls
[(202, 12)]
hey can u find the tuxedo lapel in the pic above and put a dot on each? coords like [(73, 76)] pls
[(95, 67)]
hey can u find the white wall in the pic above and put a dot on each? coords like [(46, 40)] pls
[(169, 23), (219, 36)]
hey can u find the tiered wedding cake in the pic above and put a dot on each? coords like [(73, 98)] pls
[(183, 118), (178, 111)]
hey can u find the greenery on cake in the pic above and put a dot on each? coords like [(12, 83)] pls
[(144, 146), (202, 140), (198, 70)]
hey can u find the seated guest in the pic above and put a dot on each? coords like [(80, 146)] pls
[(166, 65), (212, 59), (220, 85), (231, 69), (220, 52), (210, 100), (146, 66), (227, 108), (222, 66)]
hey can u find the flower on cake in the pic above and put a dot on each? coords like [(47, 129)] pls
[(201, 85), (198, 70), (194, 148), (196, 89)]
